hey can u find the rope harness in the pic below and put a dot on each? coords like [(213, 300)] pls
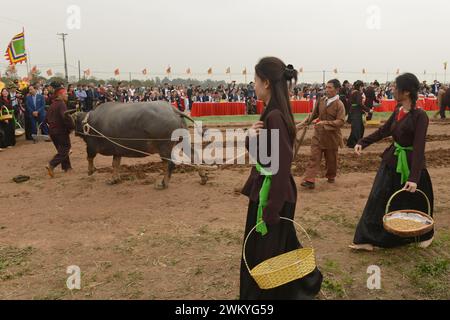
[(87, 132)]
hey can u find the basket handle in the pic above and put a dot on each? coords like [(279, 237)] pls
[(5, 108), (254, 228), (402, 190)]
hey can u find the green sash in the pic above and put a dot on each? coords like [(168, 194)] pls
[(402, 161), (263, 199)]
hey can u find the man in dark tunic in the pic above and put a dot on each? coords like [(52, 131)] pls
[(371, 98), (344, 95), (60, 127)]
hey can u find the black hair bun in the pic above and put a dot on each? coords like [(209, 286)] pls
[(290, 73)]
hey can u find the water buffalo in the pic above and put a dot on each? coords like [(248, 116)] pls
[(146, 127)]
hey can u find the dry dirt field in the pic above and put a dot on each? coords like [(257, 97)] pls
[(134, 242)]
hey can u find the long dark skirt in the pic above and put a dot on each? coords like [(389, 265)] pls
[(370, 229), (8, 134), (280, 239), (357, 128)]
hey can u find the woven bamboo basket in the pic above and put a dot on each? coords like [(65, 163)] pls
[(5, 115), (19, 130), (284, 268), (408, 223)]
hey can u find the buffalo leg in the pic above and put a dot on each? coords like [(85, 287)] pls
[(202, 172), (165, 151), (164, 184), (116, 170), (90, 159)]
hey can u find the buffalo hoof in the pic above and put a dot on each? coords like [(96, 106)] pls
[(91, 172), (161, 186)]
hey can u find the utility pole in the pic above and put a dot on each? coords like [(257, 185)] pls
[(323, 76), (79, 71), (63, 35)]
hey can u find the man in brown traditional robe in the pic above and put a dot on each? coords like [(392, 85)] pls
[(329, 118)]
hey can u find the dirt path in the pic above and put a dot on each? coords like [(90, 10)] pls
[(132, 241)]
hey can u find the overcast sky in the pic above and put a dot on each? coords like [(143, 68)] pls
[(379, 35)]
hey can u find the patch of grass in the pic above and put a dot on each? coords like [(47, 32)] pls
[(435, 269), (14, 262), (432, 278), (127, 246), (442, 239), (331, 266), (198, 271), (119, 275), (52, 295), (340, 220), (253, 118), (231, 237), (135, 276), (333, 287)]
